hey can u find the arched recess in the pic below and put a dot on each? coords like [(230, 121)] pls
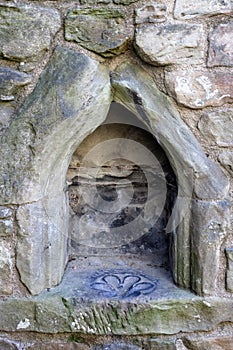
[(71, 100)]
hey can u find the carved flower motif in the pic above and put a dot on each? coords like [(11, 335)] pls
[(123, 285)]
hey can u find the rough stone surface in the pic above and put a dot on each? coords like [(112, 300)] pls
[(59, 313), (10, 81), (100, 30), (36, 25), (152, 12), (170, 44), (210, 343), (124, 2), (198, 89), (221, 46), (156, 344), (217, 127), (117, 346), (229, 274), (5, 269), (226, 159), (7, 345), (5, 212), (185, 9), (58, 346), (94, 2), (211, 221), (6, 227), (7, 110), (72, 88)]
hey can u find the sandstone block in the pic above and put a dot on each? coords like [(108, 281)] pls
[(7, 110), (26, 31), (100, 30), (10, 81), (6, 227), (7, 345), (210, 343), (229, 274), (170, 44), (217, 127), (226, 159), (94, 2), (5, 212), (124, 2), (185, 9), (152, 12), (5, 269), (221, 46), (198, 89), (58, 346), (211, 221)]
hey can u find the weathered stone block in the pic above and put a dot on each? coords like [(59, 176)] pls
[(156, 344), (124, 2), (152, 12), (58, 346), (217, 127), (198, 89), (5, 269), (220, 342), (229, 274), (209, 224), (100, 30), (7, 345), (5, 212), (26, 31), (6, 227), (117, 346), (170, 44), (226, 159), (221, 46), (94, 2), (185, 9), (7, 110), (10, 81)]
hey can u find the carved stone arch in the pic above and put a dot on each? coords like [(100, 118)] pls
[(70, 101)]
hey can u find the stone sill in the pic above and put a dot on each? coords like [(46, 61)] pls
[(72, 307), (55, 314)]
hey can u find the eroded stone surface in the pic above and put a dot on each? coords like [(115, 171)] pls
[(117, 346), (36, 25), (185, 9), (198, 89), (171, 43), (5, 269), (74, 91), (226, 159), (229, 274), (211, 221), (221, 46), (152, 12), (94, 2), (58, 346), (162, 344), (7, 110), (6, 227), (10, 81), (7, 345), (210, 343), (124, 2), (100, 30), (217, 127)]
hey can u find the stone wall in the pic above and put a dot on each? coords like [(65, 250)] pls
[(186, 48)]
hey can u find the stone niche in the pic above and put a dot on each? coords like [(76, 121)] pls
[(122, 190), (169, 208)]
